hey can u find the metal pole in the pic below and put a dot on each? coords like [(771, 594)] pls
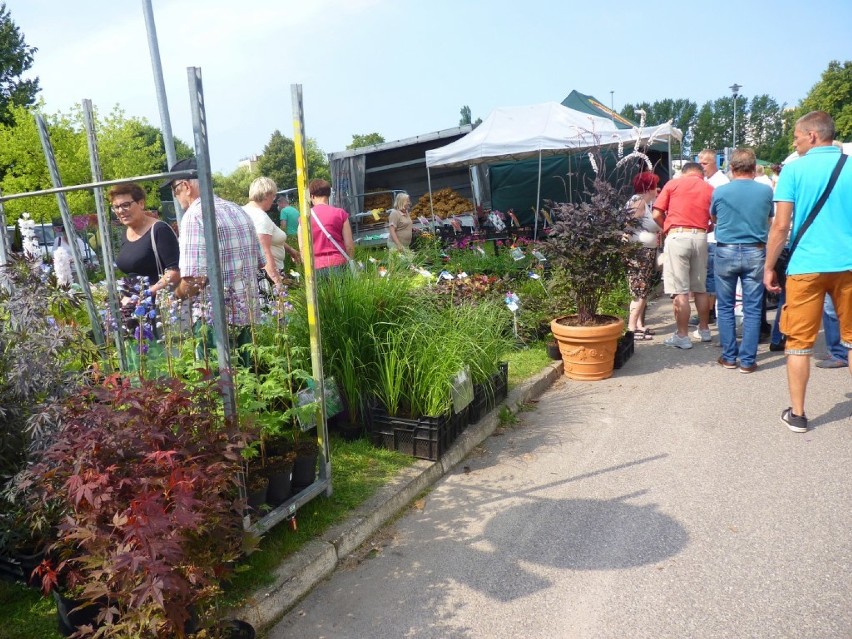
[(162, 99), (431, 207), (5, 247), (537, 200), (216, 284), (104, 230), (185, 174), (70, 233), (310, 281)]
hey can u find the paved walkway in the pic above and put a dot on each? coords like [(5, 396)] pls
[(668, 501)]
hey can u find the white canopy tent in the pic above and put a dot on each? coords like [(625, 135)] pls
[(542, 130)]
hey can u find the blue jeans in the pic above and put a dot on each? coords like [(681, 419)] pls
[(710, 286), (745, 264), (777, 336), (831, 326)]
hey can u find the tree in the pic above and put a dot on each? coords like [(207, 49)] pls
[(368, 139), (235, 186), (123, 149), (832, 94), (466, 117), (154, 136), (680, 111), (278, 161), (15, 58), (763, 126)]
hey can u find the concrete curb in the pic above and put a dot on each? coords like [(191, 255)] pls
[(315, 561)]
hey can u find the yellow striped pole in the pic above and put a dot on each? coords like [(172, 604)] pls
[(310, 280)]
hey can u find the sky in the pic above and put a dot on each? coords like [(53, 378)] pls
[(403, 68)]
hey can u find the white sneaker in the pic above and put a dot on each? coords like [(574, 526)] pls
[(678, 342), (704, 335)]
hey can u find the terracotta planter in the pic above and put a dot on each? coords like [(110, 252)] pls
[(588, 352)]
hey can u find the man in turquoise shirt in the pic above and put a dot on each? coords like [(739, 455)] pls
[(822, 262), (288, 216)]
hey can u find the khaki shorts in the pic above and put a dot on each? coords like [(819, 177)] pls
[(685, 263), (802, 313)]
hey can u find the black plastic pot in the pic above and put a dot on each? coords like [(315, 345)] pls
[(239, 629), (69, 618), (280, 485), (256, 496), (304, 470)]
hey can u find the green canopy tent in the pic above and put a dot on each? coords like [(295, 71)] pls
[(514, 184), (589, 104)]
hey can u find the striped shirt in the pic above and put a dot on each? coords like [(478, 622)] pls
[(239, 255)]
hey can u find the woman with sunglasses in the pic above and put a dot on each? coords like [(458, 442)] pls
[(137, 255)]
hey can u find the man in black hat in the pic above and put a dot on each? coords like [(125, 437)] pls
[(238, 249)]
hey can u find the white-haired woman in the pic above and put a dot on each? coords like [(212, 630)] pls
[(272, 240), (399, 223)]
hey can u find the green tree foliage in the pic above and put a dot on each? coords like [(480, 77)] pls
[(15, 58), (833, 94), (154, 137), (369, 139), (681, 112), (123, 148), (235, 186), (764, 127), (278, 161), (466, 117)]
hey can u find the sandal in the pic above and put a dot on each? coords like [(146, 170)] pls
[(641, 334), (649, 331)]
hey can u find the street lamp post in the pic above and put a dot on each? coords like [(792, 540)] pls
[(735, 89)]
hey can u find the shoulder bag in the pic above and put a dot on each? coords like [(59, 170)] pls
[(352, 265), (817, 207)]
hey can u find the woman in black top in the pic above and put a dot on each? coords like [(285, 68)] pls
[(137, 256)]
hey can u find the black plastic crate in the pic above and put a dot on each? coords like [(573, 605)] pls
[(624, 349), (422, 437), (487, 396)]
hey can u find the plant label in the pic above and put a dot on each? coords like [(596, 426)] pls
[(462, 390), (517, 253), (333, 402), (539, 256), (480, 249), (534, 275)]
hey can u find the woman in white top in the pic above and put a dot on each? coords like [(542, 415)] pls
[(272, 240), (641, 267)]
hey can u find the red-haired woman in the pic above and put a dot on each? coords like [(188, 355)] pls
[(641, 267)]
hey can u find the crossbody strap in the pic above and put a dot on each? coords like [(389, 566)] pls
[(818, 206), (156, 253), (328, 235)]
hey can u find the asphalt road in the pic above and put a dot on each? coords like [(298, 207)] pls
[(667, 501)]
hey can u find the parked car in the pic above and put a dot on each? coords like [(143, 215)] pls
[(47, 241)]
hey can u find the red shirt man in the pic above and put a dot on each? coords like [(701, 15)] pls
[(683, 211), (685, 202)]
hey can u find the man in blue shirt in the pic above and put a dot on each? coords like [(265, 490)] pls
[(822, 262), (741, 211)]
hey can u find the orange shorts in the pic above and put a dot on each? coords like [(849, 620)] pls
[(802, 313)]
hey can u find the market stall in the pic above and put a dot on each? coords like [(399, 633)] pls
[(540, 131)]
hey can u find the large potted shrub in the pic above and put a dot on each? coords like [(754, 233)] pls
[(145, 476), (589, 241)]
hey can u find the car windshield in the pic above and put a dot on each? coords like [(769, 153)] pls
[(45, 235)]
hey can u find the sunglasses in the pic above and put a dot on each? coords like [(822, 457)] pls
[(177, 184)]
